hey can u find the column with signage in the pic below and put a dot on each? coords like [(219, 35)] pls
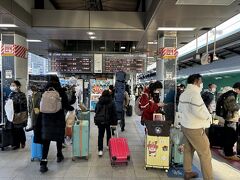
[(14, 63), (166, 71)]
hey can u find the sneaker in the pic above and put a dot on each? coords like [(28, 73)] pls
[(100, 153), (233, 158), (43, 166)]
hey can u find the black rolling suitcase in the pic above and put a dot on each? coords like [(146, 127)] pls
[(215, 135), (5, 137)]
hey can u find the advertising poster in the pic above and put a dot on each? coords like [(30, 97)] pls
[(97, 86)]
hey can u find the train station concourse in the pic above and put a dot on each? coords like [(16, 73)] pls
[(119, 89)]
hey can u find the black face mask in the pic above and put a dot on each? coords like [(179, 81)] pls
[(156, 98)]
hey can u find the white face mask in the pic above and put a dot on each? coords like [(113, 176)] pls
[(13, 88), (201, 86), (214, 90)]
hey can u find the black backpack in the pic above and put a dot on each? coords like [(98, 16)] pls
[(220, 110), (102, 115), (207, 98)]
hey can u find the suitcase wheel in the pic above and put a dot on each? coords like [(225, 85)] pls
[(86, 157), (145, 168), (114, 158), (128, 158), (32, 159), (73, 159), (166, 170)]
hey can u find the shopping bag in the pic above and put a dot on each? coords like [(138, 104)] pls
[(9, 110), (70, 118)]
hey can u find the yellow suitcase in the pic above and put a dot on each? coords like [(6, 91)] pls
[(157, 152)]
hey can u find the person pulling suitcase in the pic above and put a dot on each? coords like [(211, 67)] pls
[(105, 117)]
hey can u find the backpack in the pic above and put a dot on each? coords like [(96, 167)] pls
[(51, 101), (102, 116), (220, 110), (207, 98), (137, 109)]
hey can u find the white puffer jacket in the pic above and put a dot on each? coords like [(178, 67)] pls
[(193, 113)]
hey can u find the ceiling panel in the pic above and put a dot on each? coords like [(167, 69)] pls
[(170, 15), (78, 34)]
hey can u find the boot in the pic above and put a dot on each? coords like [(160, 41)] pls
[(190, 175), (60, 157), (43, 166)]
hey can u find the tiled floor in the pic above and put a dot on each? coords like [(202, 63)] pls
[(17, 165)]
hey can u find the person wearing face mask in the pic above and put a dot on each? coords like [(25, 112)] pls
[(150, 103), (209, 98), (19, 105), (194, 118)]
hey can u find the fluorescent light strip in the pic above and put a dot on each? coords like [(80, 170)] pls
[(227, 28), (33, 40), (150, 42), (91, 33), (123, 47), (92, 37), (8, 25), (175, 29)]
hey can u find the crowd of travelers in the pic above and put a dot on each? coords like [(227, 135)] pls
[(196, 108)]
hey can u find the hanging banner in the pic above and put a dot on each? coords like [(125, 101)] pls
[(168, 53), (97, 63), (14, 50)]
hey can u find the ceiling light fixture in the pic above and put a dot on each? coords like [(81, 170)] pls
[(175, 29), (33, 40), (91, 33), (92, 37), (8, 25), (123, 47), (152, 42)]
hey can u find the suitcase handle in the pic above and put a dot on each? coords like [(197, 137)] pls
[(115, 128)]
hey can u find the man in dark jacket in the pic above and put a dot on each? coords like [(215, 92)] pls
[(209, 98), (53, 125), (231, 117), (105, 117)]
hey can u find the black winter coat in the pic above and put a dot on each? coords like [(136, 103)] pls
[(19, 105), (52, 126), (111, 109)]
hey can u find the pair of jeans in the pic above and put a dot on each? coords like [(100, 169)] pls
[(101, 132), (46, 145), (19, 137)]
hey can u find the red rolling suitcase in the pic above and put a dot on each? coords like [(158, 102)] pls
[(119, 150)]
